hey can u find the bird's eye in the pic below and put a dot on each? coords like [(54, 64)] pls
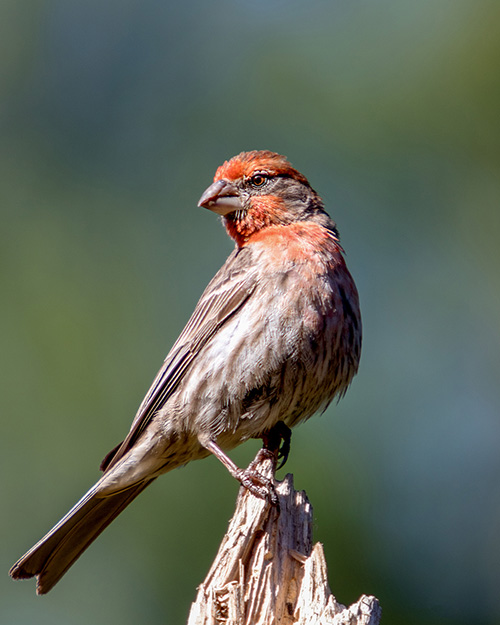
[(258, 180)]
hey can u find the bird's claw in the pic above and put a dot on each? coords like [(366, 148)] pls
[(284, 449), (256, 483), (277, 441)]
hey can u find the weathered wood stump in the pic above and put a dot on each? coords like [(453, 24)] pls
[(267, 571)]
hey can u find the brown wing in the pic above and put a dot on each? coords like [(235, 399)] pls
[(227, 293)]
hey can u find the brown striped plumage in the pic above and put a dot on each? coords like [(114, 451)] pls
[(275, 337)]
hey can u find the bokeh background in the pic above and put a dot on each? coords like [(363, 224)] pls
[(114, 116)]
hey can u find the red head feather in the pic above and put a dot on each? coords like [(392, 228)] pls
[(248, 163)]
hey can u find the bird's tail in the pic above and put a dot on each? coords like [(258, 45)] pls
[(52, 556)]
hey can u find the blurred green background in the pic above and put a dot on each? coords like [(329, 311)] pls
[(114, 116)]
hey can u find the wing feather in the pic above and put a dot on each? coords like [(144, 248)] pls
[(228, 291)]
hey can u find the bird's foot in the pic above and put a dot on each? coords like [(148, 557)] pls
[(277, 440), (250, 478), (255, 482)]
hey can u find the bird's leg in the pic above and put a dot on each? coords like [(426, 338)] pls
[(253, 481), (277, 440)]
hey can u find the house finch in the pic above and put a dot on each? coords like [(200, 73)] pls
[(274, 338)]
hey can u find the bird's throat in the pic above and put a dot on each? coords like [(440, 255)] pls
[(265, 212)]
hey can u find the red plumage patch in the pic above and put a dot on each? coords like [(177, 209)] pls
[(247, 163)]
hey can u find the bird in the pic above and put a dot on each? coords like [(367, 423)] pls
[(274, 338)]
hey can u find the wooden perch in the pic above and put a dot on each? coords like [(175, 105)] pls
[(267, 571)]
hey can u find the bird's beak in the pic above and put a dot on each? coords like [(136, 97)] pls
[(222, 197)]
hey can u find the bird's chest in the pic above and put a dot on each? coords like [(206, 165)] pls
[(275, 357), (289, 323)]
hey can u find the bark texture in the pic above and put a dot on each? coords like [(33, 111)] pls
[(267, 571)]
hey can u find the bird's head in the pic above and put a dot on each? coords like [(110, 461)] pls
[(258, 189)]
